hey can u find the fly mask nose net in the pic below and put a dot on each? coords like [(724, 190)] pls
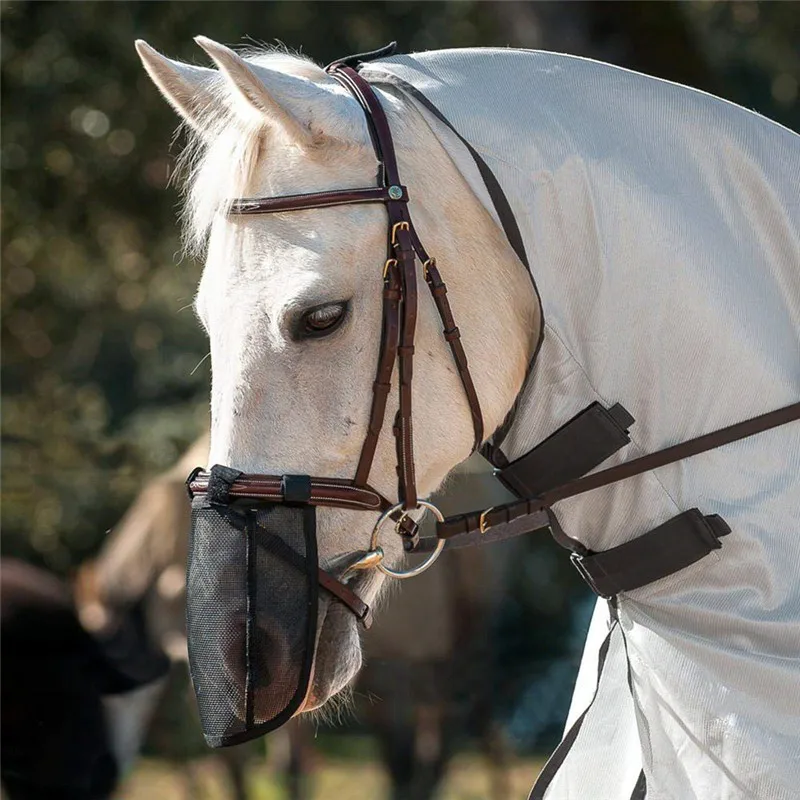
[(252, 590)]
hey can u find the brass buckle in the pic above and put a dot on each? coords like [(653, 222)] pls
[(484, 523), (390, 262), (398, 226), (430, 262)]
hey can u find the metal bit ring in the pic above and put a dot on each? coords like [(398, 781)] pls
[(402, 574)]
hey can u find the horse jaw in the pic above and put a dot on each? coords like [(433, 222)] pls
[(280, 405)]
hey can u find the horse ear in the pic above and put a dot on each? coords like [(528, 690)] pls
[(250, 82), (185, 87)]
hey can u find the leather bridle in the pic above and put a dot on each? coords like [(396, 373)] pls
[(399, 297), (397, 337)]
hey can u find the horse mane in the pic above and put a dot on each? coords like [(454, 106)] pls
[(223, 148)]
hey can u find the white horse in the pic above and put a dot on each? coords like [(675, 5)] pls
[(651, 214), (284, 399)]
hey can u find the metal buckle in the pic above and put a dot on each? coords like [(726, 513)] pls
[(577, 562), (483, 525), (398, 226), (430, 262), (390, 262)]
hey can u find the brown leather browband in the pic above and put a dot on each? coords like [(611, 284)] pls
[(299, 202)]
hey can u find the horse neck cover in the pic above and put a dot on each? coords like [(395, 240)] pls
[(662, 230)]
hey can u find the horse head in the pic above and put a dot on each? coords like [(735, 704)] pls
[(291, 302)]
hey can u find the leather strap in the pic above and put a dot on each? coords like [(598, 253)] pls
[(392, 291), (403, 430), (299, 202), (346, 595), (453, 337), (678, 452), (484, 520), (576, 448), (339, 590), (360, 58), (324, 491)]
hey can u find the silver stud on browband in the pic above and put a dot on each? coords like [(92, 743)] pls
[(396, 192)]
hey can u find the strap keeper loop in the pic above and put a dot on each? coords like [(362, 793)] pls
[(296, 488)]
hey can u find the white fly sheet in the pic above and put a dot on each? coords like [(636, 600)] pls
[(662, 227)]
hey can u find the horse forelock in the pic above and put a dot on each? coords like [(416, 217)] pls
[(225, 152)]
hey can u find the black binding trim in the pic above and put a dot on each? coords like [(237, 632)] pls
[(577, 447), (559, 756), (250, 620), (640, 789), (556, 760), (664, 550), (360, 58), (220, 481)]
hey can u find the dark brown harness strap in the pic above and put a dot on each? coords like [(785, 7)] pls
[(678, 452), (346, 595), (334, 492), (383, 378), (453, 337), (483, 520), (403, 431)]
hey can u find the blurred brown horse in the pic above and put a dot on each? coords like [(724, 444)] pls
[(428, 667)]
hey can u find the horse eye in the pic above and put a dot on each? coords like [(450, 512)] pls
[(322, 320)]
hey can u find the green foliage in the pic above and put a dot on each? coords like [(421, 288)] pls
[(754, 48), (99, 341)]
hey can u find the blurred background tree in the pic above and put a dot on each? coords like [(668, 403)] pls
[(104, 372), (104, 377)]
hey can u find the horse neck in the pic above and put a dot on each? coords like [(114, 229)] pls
[(490, 290)]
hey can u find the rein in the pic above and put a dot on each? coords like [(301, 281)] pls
[(397, 347)]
